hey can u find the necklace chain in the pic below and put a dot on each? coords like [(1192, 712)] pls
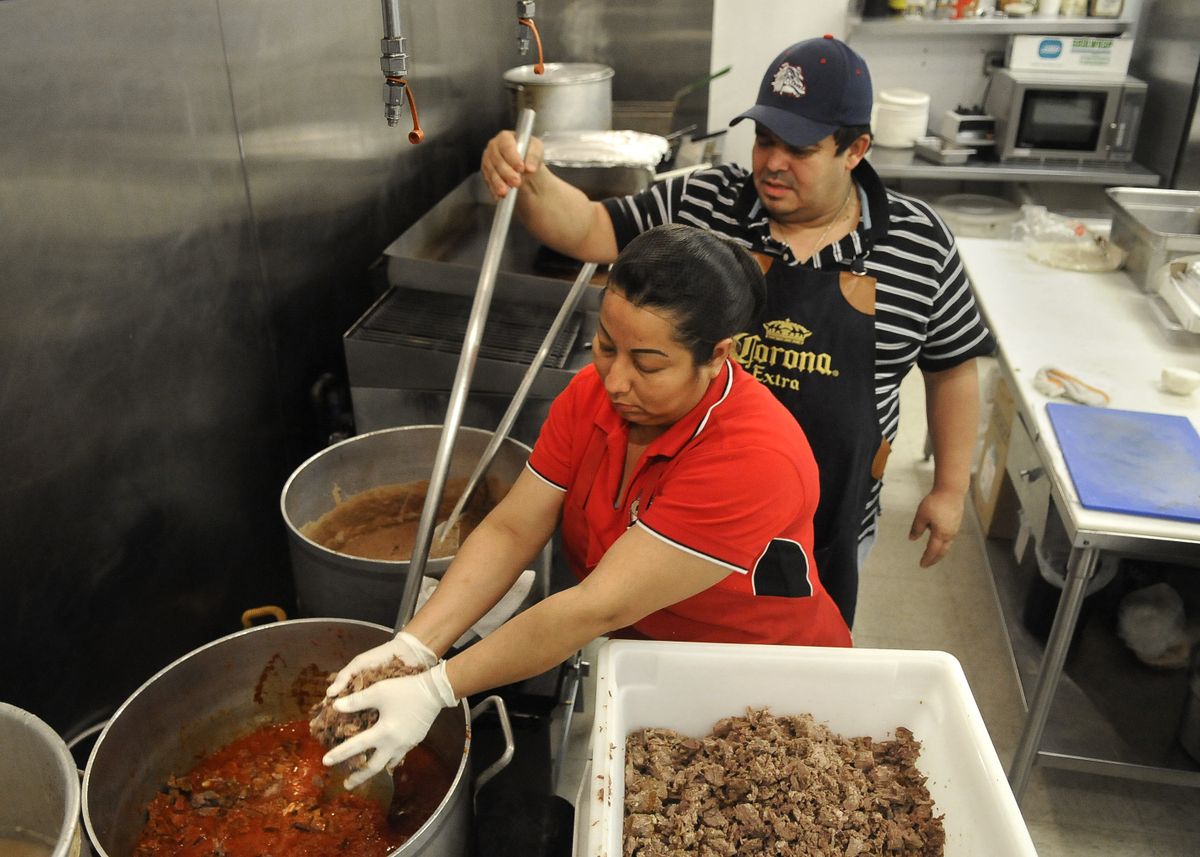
[(817, 246)]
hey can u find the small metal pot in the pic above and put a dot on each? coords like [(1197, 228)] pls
[(569, 96), (220, 691), (329, 583), (39, 785)]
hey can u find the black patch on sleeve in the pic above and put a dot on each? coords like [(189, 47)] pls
[(783, 571)]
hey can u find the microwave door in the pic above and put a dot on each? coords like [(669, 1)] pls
[(1058, 123)]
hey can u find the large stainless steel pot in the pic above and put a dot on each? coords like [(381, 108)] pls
[(329, 583), (231, 686), (569, 96), (39, 785)]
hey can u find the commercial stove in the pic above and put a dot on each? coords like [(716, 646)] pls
[(402, 354)]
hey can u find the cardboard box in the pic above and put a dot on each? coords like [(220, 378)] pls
[(1073, 54), (690, 686), (992, 491)]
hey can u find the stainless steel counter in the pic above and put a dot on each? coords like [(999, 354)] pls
[(1100, 326)]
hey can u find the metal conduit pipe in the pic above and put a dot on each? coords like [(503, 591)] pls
[(393, 61), (526, 9)]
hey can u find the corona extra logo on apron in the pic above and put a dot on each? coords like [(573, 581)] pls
[(777, 358)]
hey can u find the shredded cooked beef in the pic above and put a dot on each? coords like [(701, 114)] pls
[(762, 784), (331, 727)]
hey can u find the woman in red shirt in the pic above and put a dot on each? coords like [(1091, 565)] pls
[(684, 490)]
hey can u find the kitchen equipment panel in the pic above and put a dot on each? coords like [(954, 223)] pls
[(402, 353)]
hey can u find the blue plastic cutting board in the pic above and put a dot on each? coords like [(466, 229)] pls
[(1129, 461)]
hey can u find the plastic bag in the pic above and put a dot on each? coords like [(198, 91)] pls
[(1063, 242), (1151, 622), (504, 610)]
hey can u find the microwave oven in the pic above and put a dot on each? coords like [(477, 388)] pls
[(1053, 116)]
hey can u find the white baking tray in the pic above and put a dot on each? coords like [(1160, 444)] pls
[(856, 692)]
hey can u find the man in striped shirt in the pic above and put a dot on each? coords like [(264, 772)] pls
[(863, 283)]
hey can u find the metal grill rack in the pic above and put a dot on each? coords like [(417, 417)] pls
[(434, 321)]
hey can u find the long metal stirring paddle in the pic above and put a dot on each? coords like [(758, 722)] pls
[(462, 381), (518, 399)]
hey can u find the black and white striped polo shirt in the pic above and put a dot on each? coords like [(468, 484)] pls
[(925, 312)]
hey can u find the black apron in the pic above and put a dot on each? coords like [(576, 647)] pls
[(814, 348)]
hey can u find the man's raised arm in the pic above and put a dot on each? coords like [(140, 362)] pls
[(554, 211)]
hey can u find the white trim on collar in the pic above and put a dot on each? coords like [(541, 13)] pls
[(724, 395)]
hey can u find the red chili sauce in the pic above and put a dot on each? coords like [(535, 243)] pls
[(262, 795)]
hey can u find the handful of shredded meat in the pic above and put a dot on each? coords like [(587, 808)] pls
[(762, 784), (332, 727)]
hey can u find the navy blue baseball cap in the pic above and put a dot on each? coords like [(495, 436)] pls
[(812, 89)]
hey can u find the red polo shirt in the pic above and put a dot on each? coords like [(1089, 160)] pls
[(733, 481)]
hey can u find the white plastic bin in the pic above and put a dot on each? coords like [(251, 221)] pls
[(689, 686)]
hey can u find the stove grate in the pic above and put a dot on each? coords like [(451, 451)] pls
[(436, 321)]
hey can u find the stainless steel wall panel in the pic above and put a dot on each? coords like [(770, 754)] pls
[(655, 48), (329, 183), (1167, 57), (137, 388)]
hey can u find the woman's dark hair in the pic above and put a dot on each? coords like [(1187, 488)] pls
[(711, 286)]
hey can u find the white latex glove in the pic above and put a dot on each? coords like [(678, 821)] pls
[(404, 646), (407, 708)]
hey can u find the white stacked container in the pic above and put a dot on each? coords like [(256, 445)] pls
[(688, 687), (899, 117)]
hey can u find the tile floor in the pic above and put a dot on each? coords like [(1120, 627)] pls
[(952, 608)]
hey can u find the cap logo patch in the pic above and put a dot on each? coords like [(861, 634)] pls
[(789, 80)]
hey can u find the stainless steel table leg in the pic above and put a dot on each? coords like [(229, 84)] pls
[(1080, 569), (574, 678)]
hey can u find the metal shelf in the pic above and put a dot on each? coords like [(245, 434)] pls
[(904, 164), (987, 26), (1100, 721)]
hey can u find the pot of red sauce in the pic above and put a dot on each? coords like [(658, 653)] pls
[(244, 686)]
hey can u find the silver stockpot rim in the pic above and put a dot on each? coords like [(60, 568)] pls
[(558, 74), (67, 840), (352, 563), (132, 701)]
